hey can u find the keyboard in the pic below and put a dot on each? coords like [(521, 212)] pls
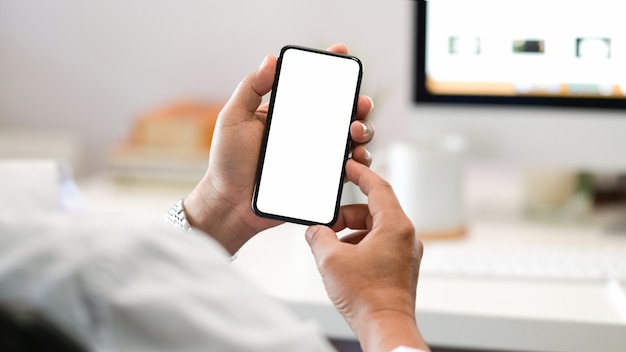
[(524, 261)]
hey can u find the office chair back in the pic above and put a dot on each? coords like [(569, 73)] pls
[(24, 330)]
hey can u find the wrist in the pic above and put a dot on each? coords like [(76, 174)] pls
[(386, 320), (217, 218), (385, 331)]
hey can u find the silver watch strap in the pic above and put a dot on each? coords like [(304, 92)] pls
[(176, 216)]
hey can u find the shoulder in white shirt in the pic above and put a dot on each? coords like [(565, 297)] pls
[(127, 284)]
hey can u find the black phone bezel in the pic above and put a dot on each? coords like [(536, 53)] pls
[(268, 122)]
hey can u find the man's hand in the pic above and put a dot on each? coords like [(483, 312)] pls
[(371, 274), (220, 205)]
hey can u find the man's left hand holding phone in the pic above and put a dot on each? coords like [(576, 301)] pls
[(226, 190)]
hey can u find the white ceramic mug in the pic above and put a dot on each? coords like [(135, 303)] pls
[(426, 173)]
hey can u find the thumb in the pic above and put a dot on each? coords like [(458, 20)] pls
[(321, 239), (250, 91)]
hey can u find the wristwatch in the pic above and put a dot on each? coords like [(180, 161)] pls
[(176, 216)]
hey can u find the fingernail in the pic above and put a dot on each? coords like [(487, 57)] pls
[(264, 62), (366, 129), (371, 101), (368, 155), (310, 231)]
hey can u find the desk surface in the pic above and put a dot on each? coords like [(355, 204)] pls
[(517, 315), (521, 315)]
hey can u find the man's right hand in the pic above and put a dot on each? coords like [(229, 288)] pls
[(371, 274)]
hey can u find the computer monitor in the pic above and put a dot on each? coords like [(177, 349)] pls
[(533, 82)]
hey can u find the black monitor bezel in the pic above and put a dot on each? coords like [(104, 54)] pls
[(422, 95)]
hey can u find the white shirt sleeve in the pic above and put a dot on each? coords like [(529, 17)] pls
[(406, 349), (120, 284)]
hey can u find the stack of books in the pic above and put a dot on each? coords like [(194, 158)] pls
[(169, 145)]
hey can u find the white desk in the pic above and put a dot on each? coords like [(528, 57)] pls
[(511, 315), (518, 315)]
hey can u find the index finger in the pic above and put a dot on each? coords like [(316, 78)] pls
[(379, 192), (338, 48)]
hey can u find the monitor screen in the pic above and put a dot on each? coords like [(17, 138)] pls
[(522, 52)]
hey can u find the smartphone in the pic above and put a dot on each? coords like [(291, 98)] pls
[(307, 136)]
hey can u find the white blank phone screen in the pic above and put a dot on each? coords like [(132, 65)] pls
[(306, 145)]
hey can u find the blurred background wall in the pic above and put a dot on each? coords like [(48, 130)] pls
[(87, 69)]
